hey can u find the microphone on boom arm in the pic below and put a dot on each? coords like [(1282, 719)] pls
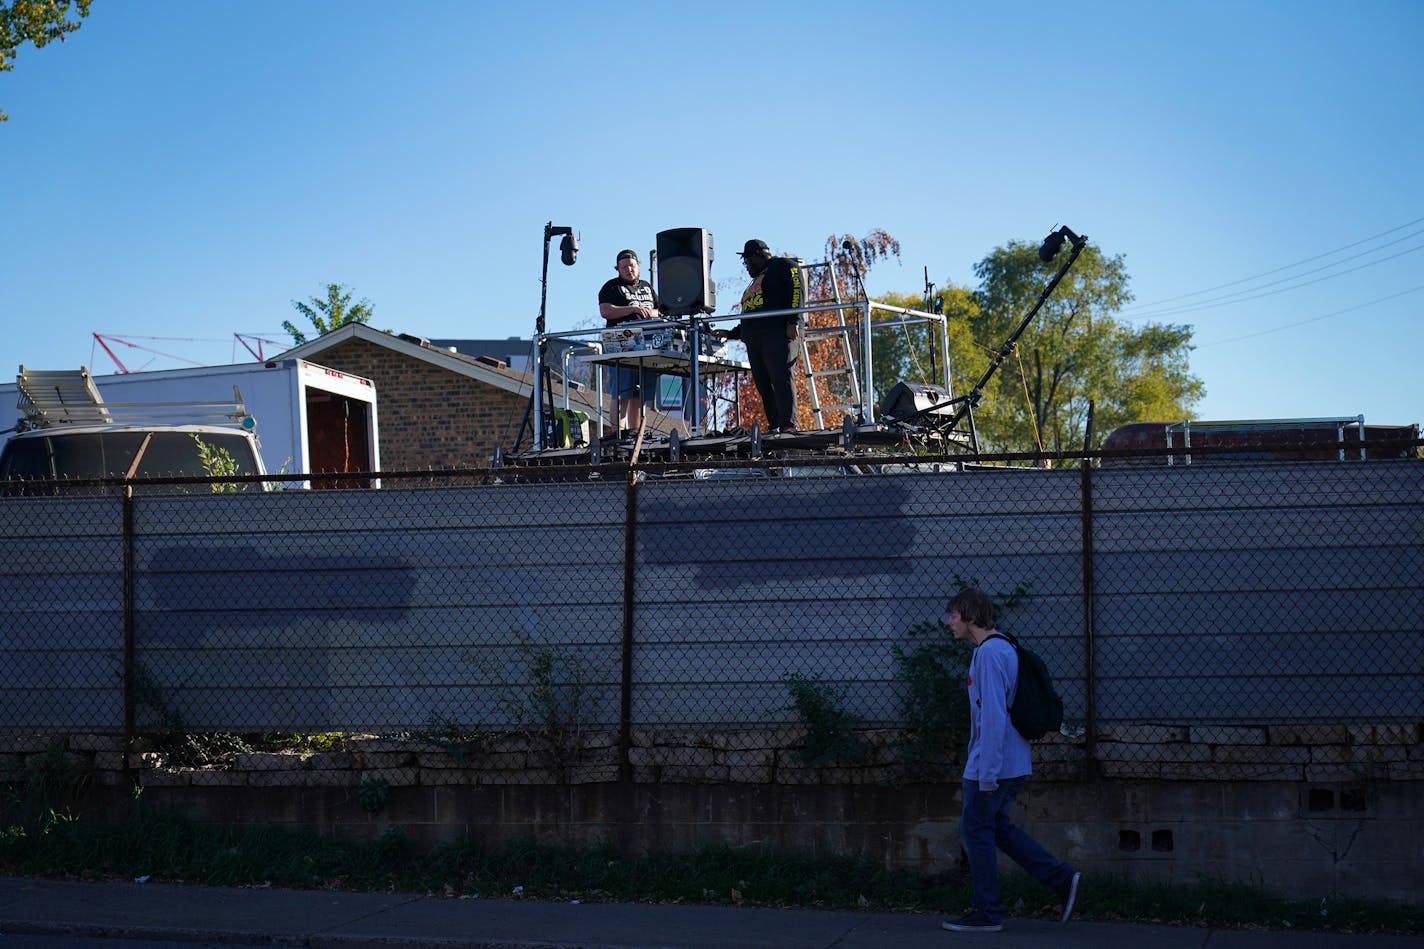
[(1053, 243)]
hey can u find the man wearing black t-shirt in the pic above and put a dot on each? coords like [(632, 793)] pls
[(625, 297), (776, 285)]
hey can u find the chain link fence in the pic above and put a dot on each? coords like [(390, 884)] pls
[(769, 619)]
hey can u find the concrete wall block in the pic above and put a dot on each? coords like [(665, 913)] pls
[(1343, 773), (378, 760), (1359, 755), (505, 761), (599, 756), (1226, 735), (395, 777), (796, 774), (1260, 754), (330, 761), (679, 755), (751, 774), (592, 773), (682, 738), (1130, 769), (29, 744), (1410, 770), (1398, 734), (95, 743), (745, 758), (165, 778), (598, 740), (1058, 752), (304, 779), (831, 774), (108, 760), (752, 739), (269, 761), (217, 778), (695, 774), (1384, 734), (768, 738), (515, 776), (1059, 770), (1307, 734), (391, 745), (443, 777), (72, 760), (1161, 753), (1225, 771), (1141, 734)]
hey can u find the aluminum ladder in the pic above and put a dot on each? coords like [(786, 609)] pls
[(840, 364)]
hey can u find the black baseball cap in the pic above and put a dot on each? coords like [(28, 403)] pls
[(756, 247), (626, 252)]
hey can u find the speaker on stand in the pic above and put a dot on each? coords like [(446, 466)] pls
[(684, 276)]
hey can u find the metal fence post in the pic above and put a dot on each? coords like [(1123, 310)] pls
[(129, 623), (1090, 714), (625, 705)]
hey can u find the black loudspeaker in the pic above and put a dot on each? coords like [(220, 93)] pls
[(685, 271), (912, 398)]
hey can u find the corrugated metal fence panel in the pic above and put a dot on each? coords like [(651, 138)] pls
[(1284, 591), (1228, 593), (61, 629), (742, 583), (382, 610)]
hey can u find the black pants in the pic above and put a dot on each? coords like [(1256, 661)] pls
[(771, 359)]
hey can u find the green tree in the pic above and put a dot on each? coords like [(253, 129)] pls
[(1075, 351), (37, 22), (326, 315)]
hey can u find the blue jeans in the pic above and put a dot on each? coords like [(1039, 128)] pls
[(629, 383), (985, 828)]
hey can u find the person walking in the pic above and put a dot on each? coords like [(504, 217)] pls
[(998, 763)]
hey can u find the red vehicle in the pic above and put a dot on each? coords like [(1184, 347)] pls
[(1291, 439)]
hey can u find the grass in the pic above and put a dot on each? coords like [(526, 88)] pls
[(166, 846)]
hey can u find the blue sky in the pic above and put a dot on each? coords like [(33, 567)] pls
[(179, 172)]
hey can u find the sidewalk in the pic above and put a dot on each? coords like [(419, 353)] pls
[(321, 919)]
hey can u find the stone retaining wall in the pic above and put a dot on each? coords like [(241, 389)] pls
[(1309, 753), (1309, 811)]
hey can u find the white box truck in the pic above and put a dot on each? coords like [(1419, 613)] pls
[(308, 418)]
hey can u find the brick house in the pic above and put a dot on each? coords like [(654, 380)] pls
[(442, 409)]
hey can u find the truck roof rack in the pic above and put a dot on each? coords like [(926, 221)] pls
[(69, 397)]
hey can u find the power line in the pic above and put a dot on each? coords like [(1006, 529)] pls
[(1313, 319), (1307, 260), (1252, 295)]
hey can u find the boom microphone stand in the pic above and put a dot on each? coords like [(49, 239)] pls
[(1051, 245)]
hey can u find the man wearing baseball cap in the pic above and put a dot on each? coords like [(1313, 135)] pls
[(625, 297), (776, 285)]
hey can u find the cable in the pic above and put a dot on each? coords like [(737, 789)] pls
[(1156, 303), (1237, 298), (1028, 401), (1313, 319)]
